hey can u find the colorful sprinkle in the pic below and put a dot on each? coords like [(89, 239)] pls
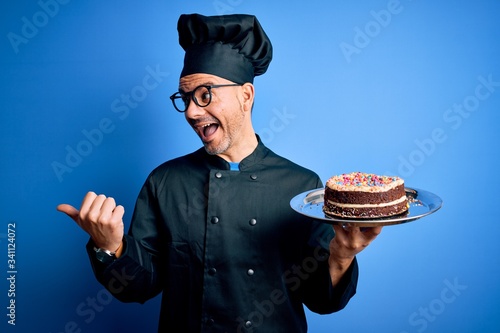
[(364, 179)]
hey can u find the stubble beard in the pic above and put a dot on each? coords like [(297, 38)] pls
[(221, 148), (229, 135)]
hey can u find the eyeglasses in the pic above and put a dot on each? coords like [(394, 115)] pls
[(201, 96)]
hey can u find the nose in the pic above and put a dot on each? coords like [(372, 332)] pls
[(193, 110)]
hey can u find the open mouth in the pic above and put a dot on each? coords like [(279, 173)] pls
[(208, 130)]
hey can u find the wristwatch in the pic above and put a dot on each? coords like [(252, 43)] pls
[(104, 256)]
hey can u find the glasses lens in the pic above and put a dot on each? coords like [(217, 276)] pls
[(180, 101), (202, 96)]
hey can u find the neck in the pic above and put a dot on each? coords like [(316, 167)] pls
[(241, 149)]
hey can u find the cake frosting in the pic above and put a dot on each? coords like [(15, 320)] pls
[(364, 195)]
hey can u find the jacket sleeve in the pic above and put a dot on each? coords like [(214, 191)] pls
[(135, 276), (132, 277), (317, 293)]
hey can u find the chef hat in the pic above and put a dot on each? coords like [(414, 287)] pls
[(234, 47)]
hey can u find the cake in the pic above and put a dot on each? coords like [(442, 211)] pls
[(364, 195)]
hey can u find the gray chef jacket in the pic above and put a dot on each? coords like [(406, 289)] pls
[(226, 249)]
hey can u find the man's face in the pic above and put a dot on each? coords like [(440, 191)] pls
[(219, 125)]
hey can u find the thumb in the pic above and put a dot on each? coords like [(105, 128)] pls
[(70, 211)]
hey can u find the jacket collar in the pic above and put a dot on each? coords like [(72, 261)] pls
[(216, 162)]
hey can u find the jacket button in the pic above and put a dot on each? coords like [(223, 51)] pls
[(250, 272), (218, 175), (248, 324), (212, 271), (214, 220), (252, 222), (253, 176)]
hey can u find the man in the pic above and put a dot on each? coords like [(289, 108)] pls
[(213, 230)]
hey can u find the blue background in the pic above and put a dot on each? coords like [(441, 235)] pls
[(393, 87)]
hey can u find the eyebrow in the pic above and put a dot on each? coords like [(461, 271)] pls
[(208, 83)]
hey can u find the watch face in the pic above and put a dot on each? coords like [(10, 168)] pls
[(104, 257), (98, 255)]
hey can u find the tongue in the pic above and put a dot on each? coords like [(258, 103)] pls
[(209, 130)]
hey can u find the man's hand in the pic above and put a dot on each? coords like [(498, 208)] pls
[(101, 218), (346, 244)]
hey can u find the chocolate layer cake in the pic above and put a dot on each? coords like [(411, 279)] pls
[(362, 195)]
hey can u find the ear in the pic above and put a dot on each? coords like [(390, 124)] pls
[(248, 94)]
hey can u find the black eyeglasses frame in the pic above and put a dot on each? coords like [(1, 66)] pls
[(187, 97)]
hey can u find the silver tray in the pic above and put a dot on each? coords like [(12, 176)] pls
[(422, 203)]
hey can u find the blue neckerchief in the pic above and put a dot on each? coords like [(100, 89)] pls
[(233, 166)]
